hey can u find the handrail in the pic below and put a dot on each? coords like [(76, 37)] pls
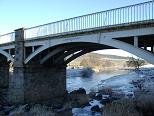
[(6, 38), (129, 14)]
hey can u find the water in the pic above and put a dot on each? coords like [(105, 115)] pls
[(75, 80)]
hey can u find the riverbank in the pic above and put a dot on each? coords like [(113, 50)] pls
[(131, 92), (75, 79)]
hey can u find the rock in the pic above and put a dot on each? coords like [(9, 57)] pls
[(98, 96), (79, 91), (83, 100), (27, 108), (95, 108), (79, 98), (92, 95), (105, 101)]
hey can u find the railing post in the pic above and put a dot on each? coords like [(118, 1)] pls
[(17, 82), (152, 49), (136, 41)]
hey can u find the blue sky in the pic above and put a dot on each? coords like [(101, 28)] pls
[(15, 14)]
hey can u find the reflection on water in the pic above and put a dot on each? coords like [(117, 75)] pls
[(75, 81)]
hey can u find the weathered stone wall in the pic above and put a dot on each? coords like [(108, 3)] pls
[(4, 72), (4, 79), (43, 84), (16, 86)]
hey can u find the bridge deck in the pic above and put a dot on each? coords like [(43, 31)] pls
[(133, 15)]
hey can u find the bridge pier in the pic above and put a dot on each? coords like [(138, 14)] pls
[(45, 84), (136, 41), (4, 72), (34, 82), (16, 85), (4, 78)]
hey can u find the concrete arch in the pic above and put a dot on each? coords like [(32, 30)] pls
[(7, 55), (55, 51), (67, 54), (46, 46), (78, 55), (74, 53), (69, 50), (131, 49), (95, 39)]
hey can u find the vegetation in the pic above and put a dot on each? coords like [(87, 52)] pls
[(123, 107), (135, 62), (99, 62), (145, 103), (36, 110)]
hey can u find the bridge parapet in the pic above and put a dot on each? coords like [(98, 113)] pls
[(6, 38), (123, 15)]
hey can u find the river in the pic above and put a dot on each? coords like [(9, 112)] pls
[(75, 80)]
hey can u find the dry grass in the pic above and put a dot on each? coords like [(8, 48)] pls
[(36, 110), (106, 90), (145, 103), (121, 108)]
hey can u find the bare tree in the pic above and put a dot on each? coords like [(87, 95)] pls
[(136, 63)]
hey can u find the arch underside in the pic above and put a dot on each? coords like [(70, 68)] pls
[(66, 52), (7, 55)]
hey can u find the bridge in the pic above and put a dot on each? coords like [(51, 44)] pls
[(40, 54)]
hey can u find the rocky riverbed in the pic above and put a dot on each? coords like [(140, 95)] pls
[(118, 95)]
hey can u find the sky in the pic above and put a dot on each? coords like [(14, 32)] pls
[(15, 14)]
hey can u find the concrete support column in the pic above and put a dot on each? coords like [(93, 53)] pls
[(152, 49), (136, 41), (45, 84), (145, 47), (34, 82), (4, 79), (4, 72), (17, 82)]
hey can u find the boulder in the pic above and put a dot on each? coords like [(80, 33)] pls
[(79, 91), (98, 96), (80, 101), (92, 95), (79, 98), (95, 108), (105, 101)]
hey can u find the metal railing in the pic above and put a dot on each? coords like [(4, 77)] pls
[(129, 14), (6, 38), (123, 15)]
